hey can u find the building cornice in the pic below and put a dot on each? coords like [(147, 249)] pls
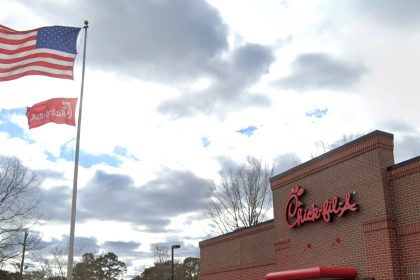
[(238, 233), (404, 168), (409, 229), (374, 140), (379, 224)]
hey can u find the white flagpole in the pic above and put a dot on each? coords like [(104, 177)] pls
[(76, 169)]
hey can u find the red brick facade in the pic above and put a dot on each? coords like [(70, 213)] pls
[(381, 239)]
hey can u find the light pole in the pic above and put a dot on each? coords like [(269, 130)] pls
[(172, 258)]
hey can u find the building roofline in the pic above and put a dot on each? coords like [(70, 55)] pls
[(244, 231), (404, 168), (375, 139), (403, 163)]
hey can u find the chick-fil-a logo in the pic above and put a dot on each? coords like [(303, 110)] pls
[(295, 214)]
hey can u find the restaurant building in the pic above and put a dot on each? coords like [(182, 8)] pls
[(348, 214)]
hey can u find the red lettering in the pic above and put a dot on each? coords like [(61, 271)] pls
[(352, 207), (291, 209), (295, 214), (334, 205), (326, 210)]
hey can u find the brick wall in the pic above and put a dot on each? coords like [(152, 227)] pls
[(405, 189), (380, 240), (245, 254), (382, 253), (358, 167)]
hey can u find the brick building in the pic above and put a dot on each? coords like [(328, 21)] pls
[(348, 214)]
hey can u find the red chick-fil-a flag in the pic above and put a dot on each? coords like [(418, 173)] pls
[(57, 110)]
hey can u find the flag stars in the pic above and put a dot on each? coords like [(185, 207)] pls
[(60, 38), (51, 53)]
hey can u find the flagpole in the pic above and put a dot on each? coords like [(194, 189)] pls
[(76, 168)]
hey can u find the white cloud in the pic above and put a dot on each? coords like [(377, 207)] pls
[(147, 110)]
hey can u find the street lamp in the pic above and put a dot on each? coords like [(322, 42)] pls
[(172, 259)]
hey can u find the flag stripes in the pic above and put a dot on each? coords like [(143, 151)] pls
[(21, 54)]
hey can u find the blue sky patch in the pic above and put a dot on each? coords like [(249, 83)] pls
[(121, 151), (88, 160), (85, 159), (66, 152), (317, 113), (247, 131), (6, 125), (205, 141)]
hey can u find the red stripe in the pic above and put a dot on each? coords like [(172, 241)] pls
[(22, 61), (37, 55), (34, 72), (9, 31), (17, 41), (36, 63), (11, 52), (6, 28)]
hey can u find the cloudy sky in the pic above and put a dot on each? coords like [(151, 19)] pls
[(175, 91)]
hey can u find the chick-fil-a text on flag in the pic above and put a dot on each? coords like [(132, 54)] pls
[(57, 110), (48, 51)]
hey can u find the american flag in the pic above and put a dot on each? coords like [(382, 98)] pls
[(48, 51)]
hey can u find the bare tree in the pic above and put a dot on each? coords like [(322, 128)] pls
[(323, 147), (18, 204), (51, 261), (55, 264), (162, 265), (242, 198), (161, 254)]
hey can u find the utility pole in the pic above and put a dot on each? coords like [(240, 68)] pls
[(23, 253)]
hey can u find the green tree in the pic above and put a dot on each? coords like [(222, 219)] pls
[(6, 275), (86, 269), (188, 270), (103, 267), (162, 266), (159, 271), (37, 275), (110, 267)]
